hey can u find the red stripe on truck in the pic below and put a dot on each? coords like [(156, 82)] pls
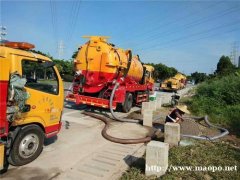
[(3, 108), (52, 130)]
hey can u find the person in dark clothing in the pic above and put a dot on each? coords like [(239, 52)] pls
[(176, 115)]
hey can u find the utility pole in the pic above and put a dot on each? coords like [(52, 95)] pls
[(60, 49), (234, 53), (239, 62), (3, 33)]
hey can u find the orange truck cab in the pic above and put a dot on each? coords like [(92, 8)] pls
[(22, 131)]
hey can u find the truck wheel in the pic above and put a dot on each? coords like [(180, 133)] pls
[(128, 103), (27, 146)]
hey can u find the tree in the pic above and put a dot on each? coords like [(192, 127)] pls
[(199, 77), (224, 66), (64, 67), (40, 52), (75, 54), (162, 71), (60, 68)]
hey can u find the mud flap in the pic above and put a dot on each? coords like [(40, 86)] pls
[(1, 156)]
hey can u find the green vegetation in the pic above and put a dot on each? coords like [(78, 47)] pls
[(202, 154), (219, 96), (65, 67), (220, 99), (198, 77), (74, 54), (162, 71), (225, 66)]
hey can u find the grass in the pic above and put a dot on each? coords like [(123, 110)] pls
[(220, 99), (203, 154), (48, 81)]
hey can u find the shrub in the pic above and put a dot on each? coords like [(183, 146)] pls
[(220, 99)]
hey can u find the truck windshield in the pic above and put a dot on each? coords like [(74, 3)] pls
[(40, 76)]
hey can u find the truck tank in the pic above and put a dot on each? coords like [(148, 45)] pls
[(98, 63)]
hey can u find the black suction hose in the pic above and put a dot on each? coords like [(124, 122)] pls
[(106, 122), (113, 113), (205, 118), (113, 92), (119, 140)]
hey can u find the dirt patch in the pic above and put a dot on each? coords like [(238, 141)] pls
[(188, 126), (135, 115), (232, 140)]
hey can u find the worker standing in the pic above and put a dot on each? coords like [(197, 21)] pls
[(176, 114)]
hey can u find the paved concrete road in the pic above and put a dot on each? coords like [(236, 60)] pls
[(80, 152), (167, 95)]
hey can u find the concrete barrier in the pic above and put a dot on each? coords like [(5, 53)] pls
[(145, 106), (159, 102), (147, 117), (172, 133), (153, 105), (156, 158), (159, 95)]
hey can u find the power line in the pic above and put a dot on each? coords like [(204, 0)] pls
[(54, 21), (212, 35), (191, 25), (71, 17), (177, 20), (153, 19), (192, 35), (75, 20), (194, 24)]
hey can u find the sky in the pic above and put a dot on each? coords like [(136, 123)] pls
[(188, 35)]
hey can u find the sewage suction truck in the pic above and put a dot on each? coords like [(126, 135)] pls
[(31, 103), (174, 83), (99, 65)]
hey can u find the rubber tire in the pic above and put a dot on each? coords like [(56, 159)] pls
[(14, 158), (127, 105)]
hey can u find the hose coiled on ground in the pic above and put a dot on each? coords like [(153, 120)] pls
[(113, 113), (118, 140), (114, 90), (205, 118), (106, 122)]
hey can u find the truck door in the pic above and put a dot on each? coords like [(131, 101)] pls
[(45, 88)]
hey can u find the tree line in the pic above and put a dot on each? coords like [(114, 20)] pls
[(224, 68), (161, 72), (65, 67)]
